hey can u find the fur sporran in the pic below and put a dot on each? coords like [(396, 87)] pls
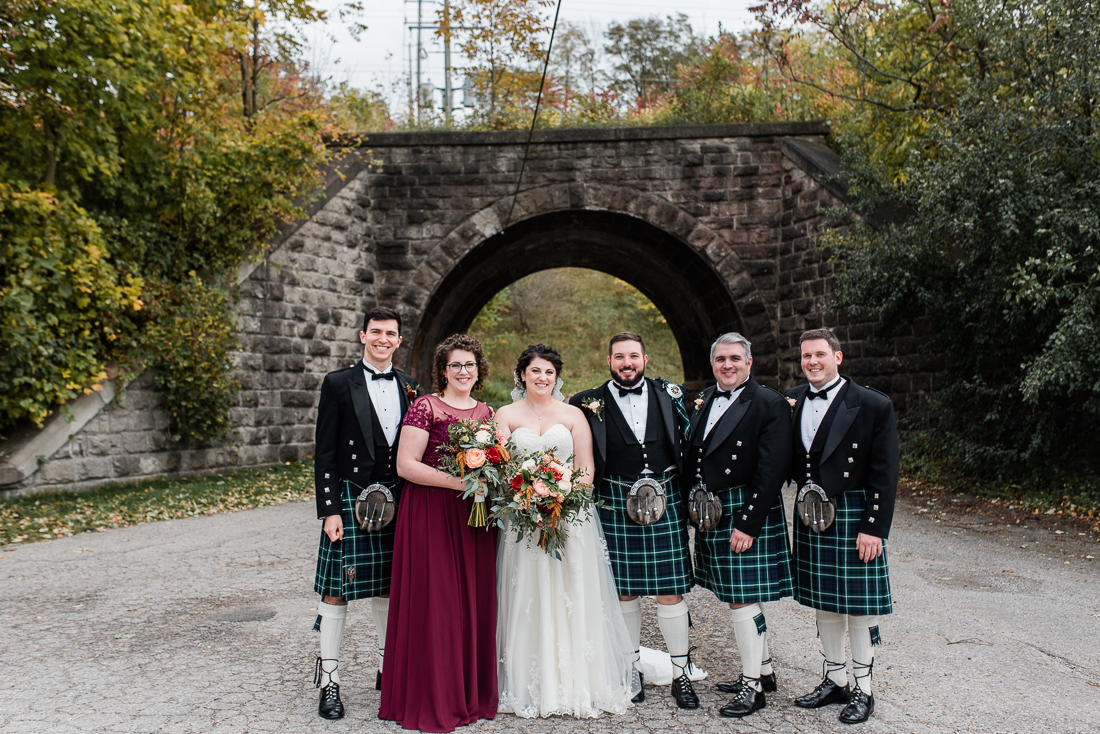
[(705, 508), (375, 508), (645, 502), (815, 509)]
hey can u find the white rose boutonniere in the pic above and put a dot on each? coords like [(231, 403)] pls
[(699, 403)]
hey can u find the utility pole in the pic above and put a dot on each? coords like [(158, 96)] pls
[(419, 51), (447, 60)]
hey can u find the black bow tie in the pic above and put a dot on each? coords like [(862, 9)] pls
[(824, 393), (382, 375), (722, 394), (629, 390)]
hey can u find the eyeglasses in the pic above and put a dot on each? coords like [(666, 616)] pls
[(470, 367)]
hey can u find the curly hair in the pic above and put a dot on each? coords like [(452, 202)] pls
[(542, 351), (443, 355)]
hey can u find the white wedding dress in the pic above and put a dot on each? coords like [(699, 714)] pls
[(562, 644)]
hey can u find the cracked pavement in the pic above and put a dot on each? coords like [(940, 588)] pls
[(205, 625)]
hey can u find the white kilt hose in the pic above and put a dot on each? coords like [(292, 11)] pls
[(762, 573), (646, 560), (359, 565), (828, 572)]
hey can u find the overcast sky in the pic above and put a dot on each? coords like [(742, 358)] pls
[(380, 60)]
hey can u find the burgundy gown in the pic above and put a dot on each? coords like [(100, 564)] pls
[(440, 667)]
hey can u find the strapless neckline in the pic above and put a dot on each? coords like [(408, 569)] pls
[(544, 433)]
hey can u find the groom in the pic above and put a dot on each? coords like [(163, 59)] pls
[(637, 426)]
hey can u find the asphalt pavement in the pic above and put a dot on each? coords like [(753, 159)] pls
[(205, 625)]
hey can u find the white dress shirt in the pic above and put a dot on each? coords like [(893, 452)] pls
[(386, 396), (813, 411), (719, 406), (635, 408)]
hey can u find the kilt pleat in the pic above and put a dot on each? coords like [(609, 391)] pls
[(828, 573), (359, 565), (762, 573), (646, 560)]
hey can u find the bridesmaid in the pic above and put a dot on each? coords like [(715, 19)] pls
[(440, 667)]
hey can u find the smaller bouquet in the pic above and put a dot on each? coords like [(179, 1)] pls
[(477, 455), (543, 496)]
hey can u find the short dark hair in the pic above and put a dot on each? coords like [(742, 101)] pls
[(381, 313), (825, 334), (625, 336), (443, 354), (542, 351)]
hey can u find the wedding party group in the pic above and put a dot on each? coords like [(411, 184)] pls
[(505, 554)]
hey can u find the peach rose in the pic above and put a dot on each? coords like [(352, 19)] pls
[(540, 488), (474, 458)]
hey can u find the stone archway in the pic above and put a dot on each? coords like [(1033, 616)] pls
[(681, 283)]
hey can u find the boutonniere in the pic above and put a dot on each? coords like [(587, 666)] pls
[(699, 403), (793, 403), (410, 391), (596, 406)]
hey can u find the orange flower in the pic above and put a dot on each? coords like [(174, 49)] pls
[(475, 458)]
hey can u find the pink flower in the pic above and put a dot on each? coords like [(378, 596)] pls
[(517, 497), (474, 458), (540, 488)]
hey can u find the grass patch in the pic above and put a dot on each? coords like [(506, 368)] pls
[(60, 514)]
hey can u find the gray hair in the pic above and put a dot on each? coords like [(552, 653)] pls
[(732, 337)]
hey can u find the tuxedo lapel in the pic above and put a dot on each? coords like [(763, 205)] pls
[(599, 427), (360, 400), (665, 402), (403, 393), (842, 421), (733, 415), (698, 416)]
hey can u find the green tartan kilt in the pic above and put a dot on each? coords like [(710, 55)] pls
[(646, 560), (358, 566), (828, 573), (762, 573)]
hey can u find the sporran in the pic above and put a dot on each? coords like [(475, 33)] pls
[(375, 508), (705, 508), (815, 509), (645, 502)]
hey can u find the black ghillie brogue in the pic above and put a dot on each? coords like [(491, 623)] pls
[(682, 690), (860, 707), (329, 706), (639, 697), (746, 700), (827, 692)]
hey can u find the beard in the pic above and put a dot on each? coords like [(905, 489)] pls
[(634, 380)]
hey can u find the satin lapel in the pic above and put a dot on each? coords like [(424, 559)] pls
[(796, 425), (842, 422), (599, 423), (360, 400), (666, 411), (733, 415), (402, 388), (697, 416)]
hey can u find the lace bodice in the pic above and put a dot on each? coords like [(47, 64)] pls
[(557, 439), (435, 416)]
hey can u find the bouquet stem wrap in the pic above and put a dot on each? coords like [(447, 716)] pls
[(476, 454)]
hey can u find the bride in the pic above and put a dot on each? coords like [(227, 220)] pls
[(562, 644)]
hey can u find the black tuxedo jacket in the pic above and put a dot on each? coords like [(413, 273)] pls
[(599, 423), (345, 435), (861, 451), (750, 446)]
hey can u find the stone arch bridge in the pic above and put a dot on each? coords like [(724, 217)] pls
[(714, 223)]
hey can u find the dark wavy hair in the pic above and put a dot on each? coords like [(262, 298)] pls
[(543, 351), (443, 355)]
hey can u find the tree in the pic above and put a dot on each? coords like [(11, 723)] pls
[(498, 37), (1000, 259), (647, 52), (574, 61)]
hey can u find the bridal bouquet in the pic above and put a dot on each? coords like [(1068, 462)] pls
[(476, 454), (542, 496)]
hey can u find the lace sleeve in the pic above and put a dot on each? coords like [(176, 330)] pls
[(420, 414)]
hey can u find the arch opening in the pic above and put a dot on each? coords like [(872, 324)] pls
[(681, 284)]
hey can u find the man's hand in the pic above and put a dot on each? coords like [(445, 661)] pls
[(740, 542), (334, 527), (869, 547)]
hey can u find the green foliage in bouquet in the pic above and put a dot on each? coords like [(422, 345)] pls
[(476, 455)]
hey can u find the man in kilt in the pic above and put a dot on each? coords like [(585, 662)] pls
[(844, 441), (358, 423), (637, 427), (739, 451)]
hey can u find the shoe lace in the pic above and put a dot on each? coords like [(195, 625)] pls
[(858, 668), (828, 666), (683, 678), (330, 692), (319, 668)]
